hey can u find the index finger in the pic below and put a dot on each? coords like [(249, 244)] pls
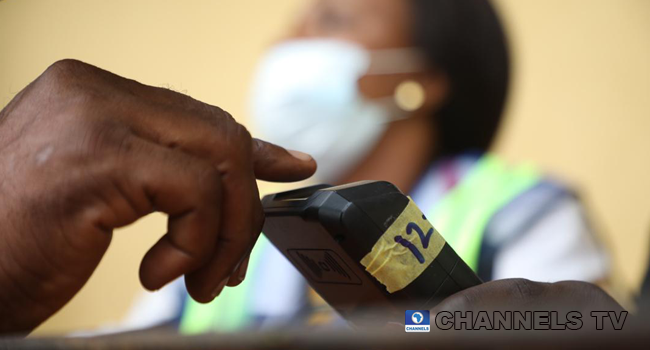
[(274, 163)]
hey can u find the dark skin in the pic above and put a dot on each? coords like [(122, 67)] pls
[(382, 24), (518, 294), (84, 151)]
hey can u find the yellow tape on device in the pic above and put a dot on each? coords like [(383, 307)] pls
[(404, 251)]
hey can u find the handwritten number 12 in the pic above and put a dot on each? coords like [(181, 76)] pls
[(423, 238)]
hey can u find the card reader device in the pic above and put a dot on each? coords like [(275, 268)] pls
[(365, 246)]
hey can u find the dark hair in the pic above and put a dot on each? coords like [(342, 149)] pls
[(465, 40)]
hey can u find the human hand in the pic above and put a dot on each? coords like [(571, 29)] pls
[(521, 294), (84, 151), (565, 300)]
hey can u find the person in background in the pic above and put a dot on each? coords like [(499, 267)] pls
[(410, 92)]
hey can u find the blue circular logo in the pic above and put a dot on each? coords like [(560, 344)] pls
[(417, 317)]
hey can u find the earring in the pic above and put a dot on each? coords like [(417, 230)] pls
[(409, 95)]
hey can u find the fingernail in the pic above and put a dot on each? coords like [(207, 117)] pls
[(299, 155), (219, 288), (242, 270)]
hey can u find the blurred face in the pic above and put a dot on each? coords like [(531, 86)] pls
[(341, 102)]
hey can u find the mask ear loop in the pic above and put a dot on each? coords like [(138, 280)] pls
[(396, 61)]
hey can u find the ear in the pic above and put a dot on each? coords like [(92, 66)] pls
[(436, 90)]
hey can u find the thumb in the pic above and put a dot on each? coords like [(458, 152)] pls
[(274, 163)]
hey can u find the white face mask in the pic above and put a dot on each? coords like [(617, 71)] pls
[(305, 97)]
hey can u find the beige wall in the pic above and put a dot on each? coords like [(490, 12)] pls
[(580, 103)]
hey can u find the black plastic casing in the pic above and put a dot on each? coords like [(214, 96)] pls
[(325, 232)]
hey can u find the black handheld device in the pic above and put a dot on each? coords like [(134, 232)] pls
[(358, 249)]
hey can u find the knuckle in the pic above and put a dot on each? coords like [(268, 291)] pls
[(258, 147), (525, 289), (67, 63), (461, 301), (465, 301), (220, 122), (583, 288), (74, 82), (64, 69)]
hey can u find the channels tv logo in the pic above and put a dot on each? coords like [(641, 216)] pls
[(417, 321)]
